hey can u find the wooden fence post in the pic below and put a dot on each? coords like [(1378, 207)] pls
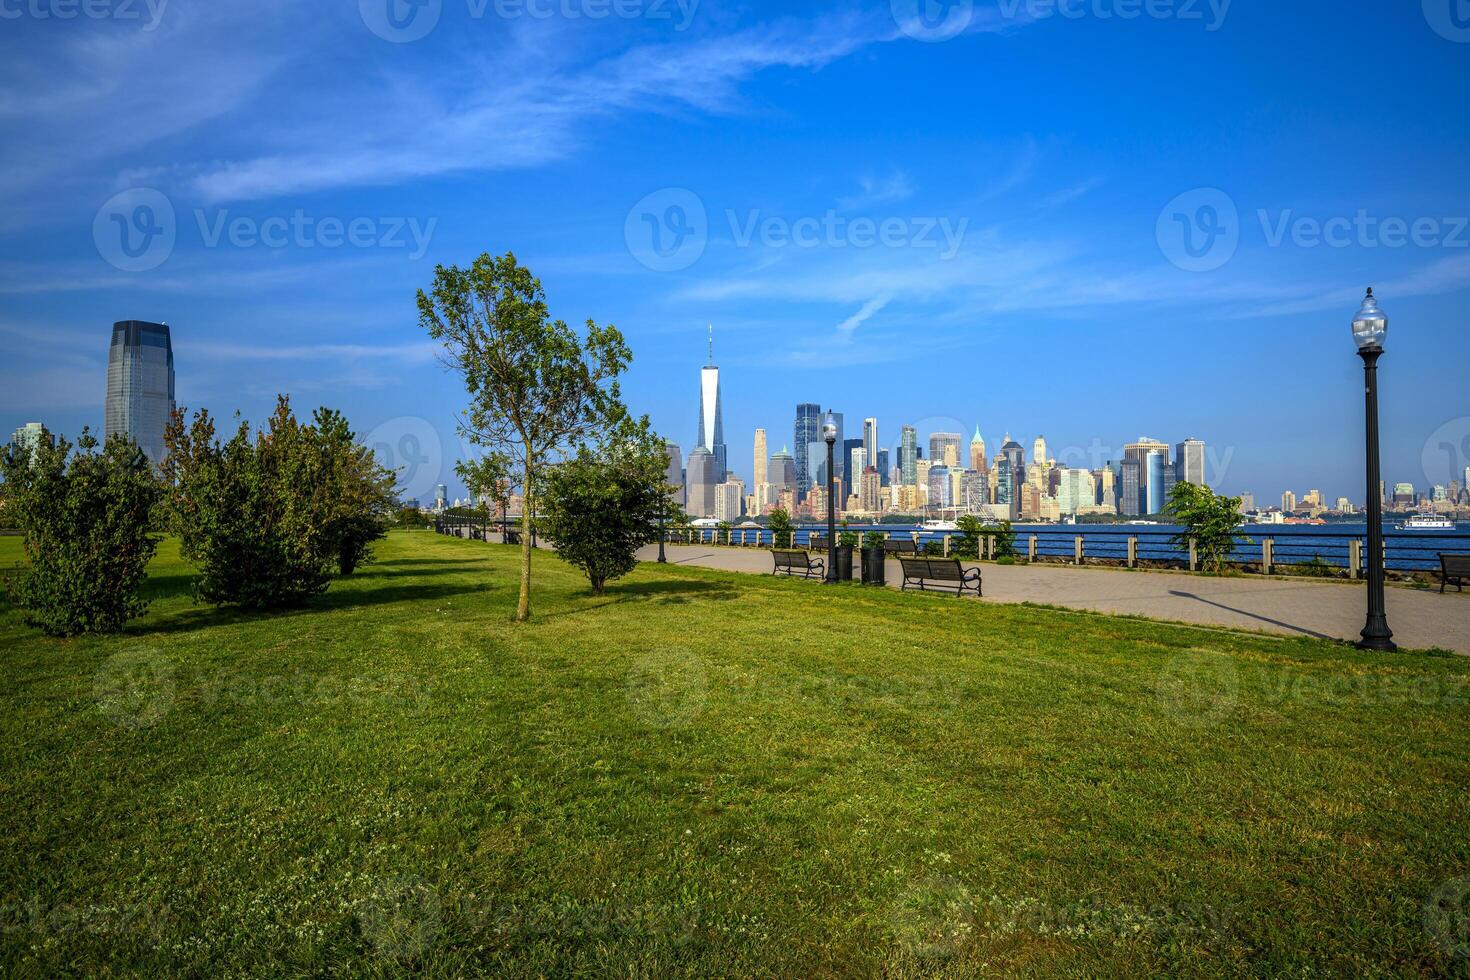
[(1132, 552), (1193, 556), (1355, 559), (1031, 548), (1268, 555), (1077, 549)]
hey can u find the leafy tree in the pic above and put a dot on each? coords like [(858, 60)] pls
[(600, 506), (783, 532), (85, 519), (535, 388), (358, 495), (1209, 521)]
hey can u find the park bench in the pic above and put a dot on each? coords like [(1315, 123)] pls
[(939, 573), (797, 563), (1453, 569), (894, 547)]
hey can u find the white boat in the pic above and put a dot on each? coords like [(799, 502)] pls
[(1427, 522), (940, 526)]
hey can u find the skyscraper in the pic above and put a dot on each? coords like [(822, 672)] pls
[(783, 470), (140, 385), (760, 456), (908, 456), (1038, 450), (1152, 458), (940, 494), (711, 417), (944, 448), (845, 450), (977, 452), (884, 475), (1012, 475), (1189, 462), (870, 440), (674, 476), (871, 491), (806, 435), (699, 490), (30, 438)]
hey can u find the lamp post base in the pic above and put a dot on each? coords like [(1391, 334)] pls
[(1377, 636)]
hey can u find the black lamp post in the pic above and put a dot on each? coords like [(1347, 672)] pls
[(1370, 327), (829, 433), (662, 523)]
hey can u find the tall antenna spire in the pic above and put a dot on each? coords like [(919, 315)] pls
[(711, 345)]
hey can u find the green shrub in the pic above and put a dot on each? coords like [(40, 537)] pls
[(267, 518), (873, 539), (1209, 521), (86, 520), (600, 507), (783, 532)]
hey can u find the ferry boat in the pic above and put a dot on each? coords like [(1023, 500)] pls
[(1427, 522), (940, 526)]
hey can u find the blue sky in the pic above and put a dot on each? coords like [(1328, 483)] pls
[(974, 218)]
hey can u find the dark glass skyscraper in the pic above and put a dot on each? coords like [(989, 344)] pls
[(140, 384), (908, 455), (806, 434)]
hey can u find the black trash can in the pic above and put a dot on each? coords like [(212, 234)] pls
[(873, 567), (844, 563)]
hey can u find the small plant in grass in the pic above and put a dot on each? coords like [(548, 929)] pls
[(783, 532), (85, 519), (1209, 520)]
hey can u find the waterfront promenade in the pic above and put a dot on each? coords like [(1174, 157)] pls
[(1330, 610)]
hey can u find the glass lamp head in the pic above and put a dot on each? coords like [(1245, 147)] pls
[(1370, 326), (829, 429)]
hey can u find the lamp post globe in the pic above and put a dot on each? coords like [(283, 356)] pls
[(1370, 329), (829, 434)]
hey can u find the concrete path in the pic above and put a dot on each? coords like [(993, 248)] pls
[(1323, 609)]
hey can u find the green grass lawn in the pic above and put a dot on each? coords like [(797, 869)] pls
[(708, 773)]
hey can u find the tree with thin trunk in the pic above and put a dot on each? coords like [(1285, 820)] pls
[(535, 388)]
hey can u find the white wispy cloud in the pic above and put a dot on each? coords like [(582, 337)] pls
[(874, 191)]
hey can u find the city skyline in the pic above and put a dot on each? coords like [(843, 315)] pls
[(1056, 305)]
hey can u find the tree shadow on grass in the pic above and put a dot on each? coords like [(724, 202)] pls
[(332, 600), (666, 592)]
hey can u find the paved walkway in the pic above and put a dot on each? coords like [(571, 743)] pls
[(1322, 609)]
